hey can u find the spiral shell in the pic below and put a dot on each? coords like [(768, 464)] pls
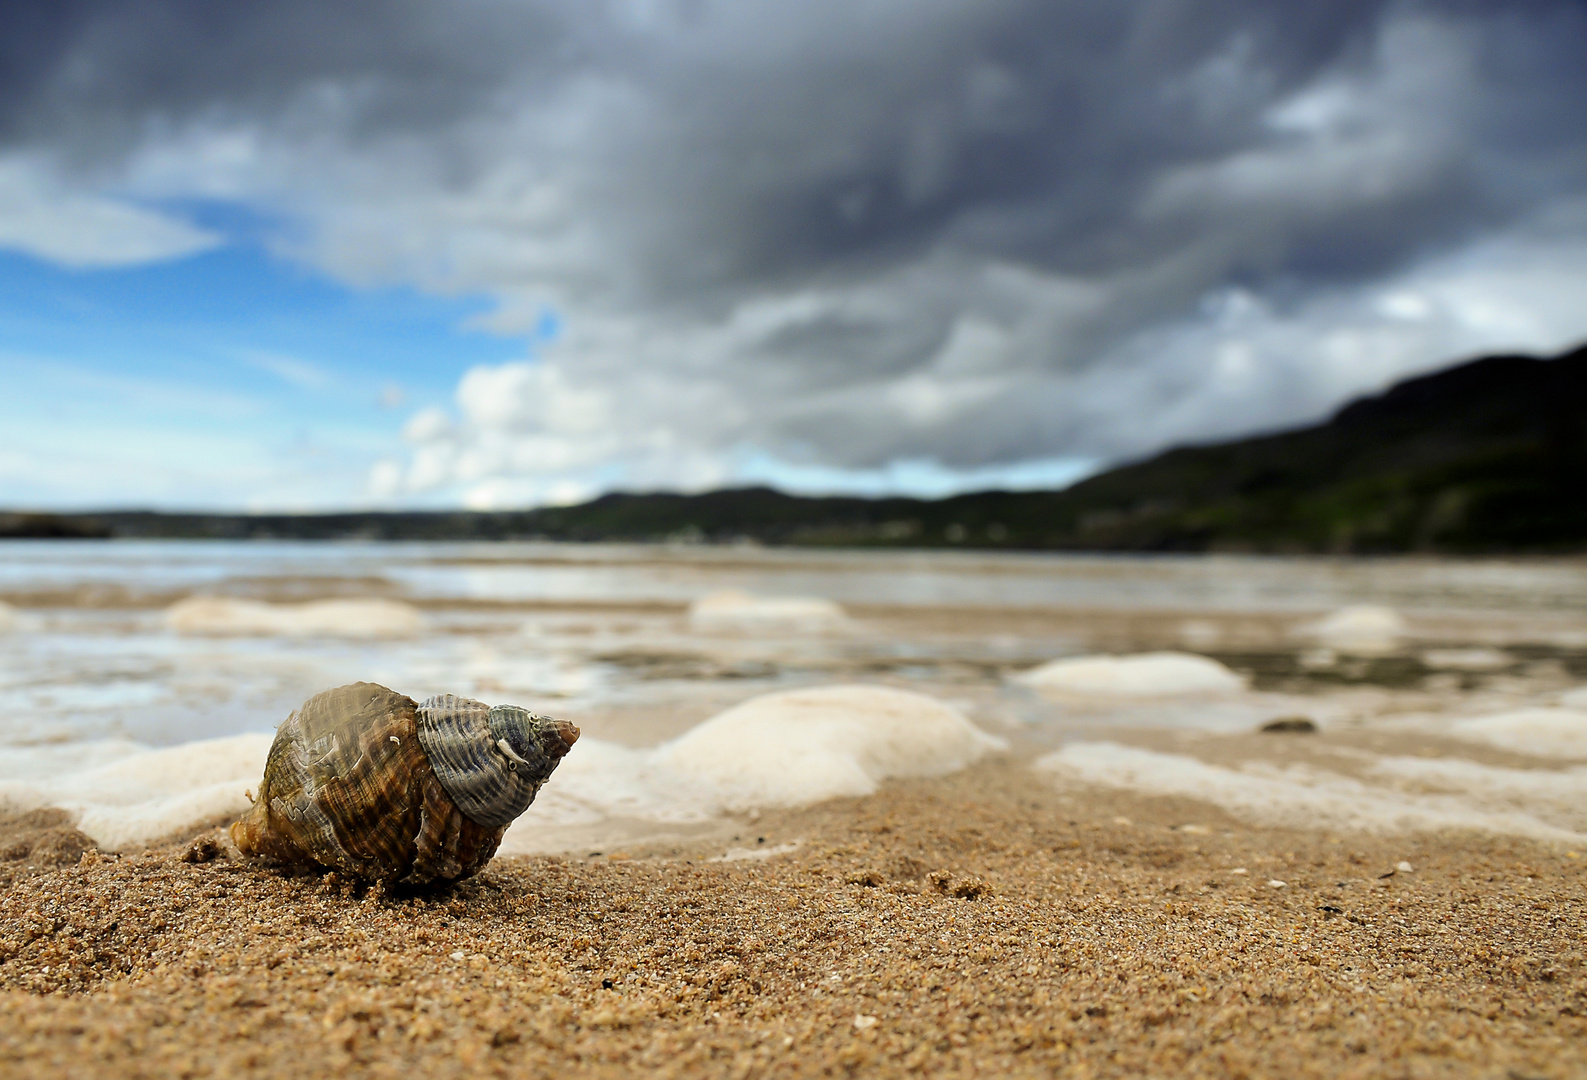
[(367, 781)]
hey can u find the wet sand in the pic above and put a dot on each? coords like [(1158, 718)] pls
[(990, 923)]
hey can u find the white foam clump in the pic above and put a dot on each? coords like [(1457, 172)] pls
[(145, 795), (600, 780), (1477, 659), (1544, 732), (9, 619), (1297, 796), (39, 762), (1562, 793), (804, 746), (1159, 674), (366, 617), (1363, 630), (791, 748), (733, 609)]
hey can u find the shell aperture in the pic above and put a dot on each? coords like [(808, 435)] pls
[(491, 760), (367, 781)]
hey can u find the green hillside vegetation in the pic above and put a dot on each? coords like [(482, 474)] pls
[(1489, 456)]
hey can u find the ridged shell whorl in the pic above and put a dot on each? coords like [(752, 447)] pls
[(490, 760), (363, 779)]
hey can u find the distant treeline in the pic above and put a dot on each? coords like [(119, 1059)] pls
[(1488, 456)]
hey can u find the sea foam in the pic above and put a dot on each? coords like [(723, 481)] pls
[(1297, 796), (1360, 630), (1543, 732), (1159, 674), (804, 746), (786, 749), (141, 795), (1473, 659), (367, 617), (1561, 793), (733, 610), (791, 748), (1574, 699)]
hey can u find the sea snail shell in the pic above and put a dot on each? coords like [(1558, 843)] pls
[(368, 782)]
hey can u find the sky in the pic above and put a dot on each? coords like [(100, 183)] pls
[(289, 255)]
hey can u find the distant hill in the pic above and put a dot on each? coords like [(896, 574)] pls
[(1488, 456)]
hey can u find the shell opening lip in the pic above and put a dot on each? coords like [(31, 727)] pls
[(502, 745)]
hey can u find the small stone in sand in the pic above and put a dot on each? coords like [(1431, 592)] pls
[(1291, 725), (202, 850)]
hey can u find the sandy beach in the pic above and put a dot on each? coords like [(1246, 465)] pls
[(1092, 861), (990, 923)]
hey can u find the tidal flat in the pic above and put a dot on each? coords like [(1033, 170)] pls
[(1136, 879)]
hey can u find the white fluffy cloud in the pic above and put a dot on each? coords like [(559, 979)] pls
[(54, 218)]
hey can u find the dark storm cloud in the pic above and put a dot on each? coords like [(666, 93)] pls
[(79, 67), (863, 230), (1028, 130)]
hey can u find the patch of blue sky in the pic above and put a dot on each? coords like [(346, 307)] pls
[(229, 379), (211, 317), (920, 478)]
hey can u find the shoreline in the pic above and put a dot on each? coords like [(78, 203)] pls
[(992, 922)]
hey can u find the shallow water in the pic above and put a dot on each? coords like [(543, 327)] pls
[(600, 634)]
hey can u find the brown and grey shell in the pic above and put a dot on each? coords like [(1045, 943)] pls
[(367, 781)]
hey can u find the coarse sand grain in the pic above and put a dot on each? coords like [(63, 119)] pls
[(990, 923)]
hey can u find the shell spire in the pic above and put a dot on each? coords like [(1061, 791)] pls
[(491, 760)]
